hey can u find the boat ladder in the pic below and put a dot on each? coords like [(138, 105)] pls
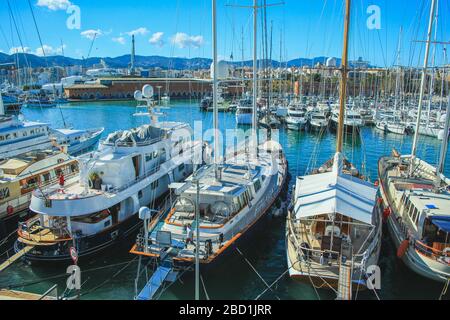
[(164, 274), (15, 257), (345, 281)]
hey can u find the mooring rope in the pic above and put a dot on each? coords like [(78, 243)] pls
[(257, 273)]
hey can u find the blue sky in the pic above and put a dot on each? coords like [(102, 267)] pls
[(182, 28)]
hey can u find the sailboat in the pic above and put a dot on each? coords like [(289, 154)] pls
[(333, 231), (392, 123), (216, 207), (416, 200)]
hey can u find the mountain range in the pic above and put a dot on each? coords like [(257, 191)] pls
[(140, 61)]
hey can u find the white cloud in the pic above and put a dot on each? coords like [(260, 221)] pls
[(49, 50), (142, 31), (54, 5), (183, 40), (120, 40), (90, 34), (157, 39), (15, 50)]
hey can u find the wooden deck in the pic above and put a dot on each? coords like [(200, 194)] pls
[(20, 295)]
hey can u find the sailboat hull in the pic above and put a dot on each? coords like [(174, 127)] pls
[(413, 258)]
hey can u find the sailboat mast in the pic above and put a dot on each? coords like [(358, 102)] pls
[(343, 93), (422, 82), (2, 106), (397, 78), (215, 89), (444, 147), (255, 75)]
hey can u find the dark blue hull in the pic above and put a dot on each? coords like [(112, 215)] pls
[(86, 247)]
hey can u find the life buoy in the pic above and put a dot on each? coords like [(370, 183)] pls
[(402, 249), (377, 183), (380, 200), (10, 210)]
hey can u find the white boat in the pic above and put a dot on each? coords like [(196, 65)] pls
[(77, 141), (165, 98), (18, 136), (296, 118), (367, 116), (244, 112), (417, 210), (99, 207), (416, 199), (221, 202), (333, 228), (333, 224), (230, 203), (40, 103), (391, 125), (21, 175), (353, 121), (318, 120)]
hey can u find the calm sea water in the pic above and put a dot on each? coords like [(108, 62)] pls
[(111, 275)]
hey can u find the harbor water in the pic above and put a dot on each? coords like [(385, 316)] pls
[(111, 275)]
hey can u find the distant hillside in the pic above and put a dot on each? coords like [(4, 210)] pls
[(141, 61)]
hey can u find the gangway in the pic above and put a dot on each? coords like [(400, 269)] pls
[(15, 257), (345, 281)]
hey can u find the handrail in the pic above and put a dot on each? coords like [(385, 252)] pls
[(318, 253), (434, 252)]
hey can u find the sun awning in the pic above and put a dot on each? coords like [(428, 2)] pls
[(330, 193), (443, 223)]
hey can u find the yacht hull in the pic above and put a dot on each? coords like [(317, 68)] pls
[(300, 272), (87, 247), (347, 128), (418, 263)]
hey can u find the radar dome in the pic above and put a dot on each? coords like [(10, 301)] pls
[(331, 62), (147, 91), (138, 95), (223, 70)]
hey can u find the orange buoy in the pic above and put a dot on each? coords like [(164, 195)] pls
[(402, 249)]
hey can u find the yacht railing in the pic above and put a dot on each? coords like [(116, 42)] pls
[(332, 257), (50, 187), (39, 233), (436, 254)]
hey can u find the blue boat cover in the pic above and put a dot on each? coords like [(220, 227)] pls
[(154, 284), (443, 223)]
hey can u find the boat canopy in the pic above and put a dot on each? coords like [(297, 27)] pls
[(442, 222), (330, 193), (143, 134)]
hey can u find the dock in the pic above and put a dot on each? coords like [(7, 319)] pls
[(22, 295), (15, 257)]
